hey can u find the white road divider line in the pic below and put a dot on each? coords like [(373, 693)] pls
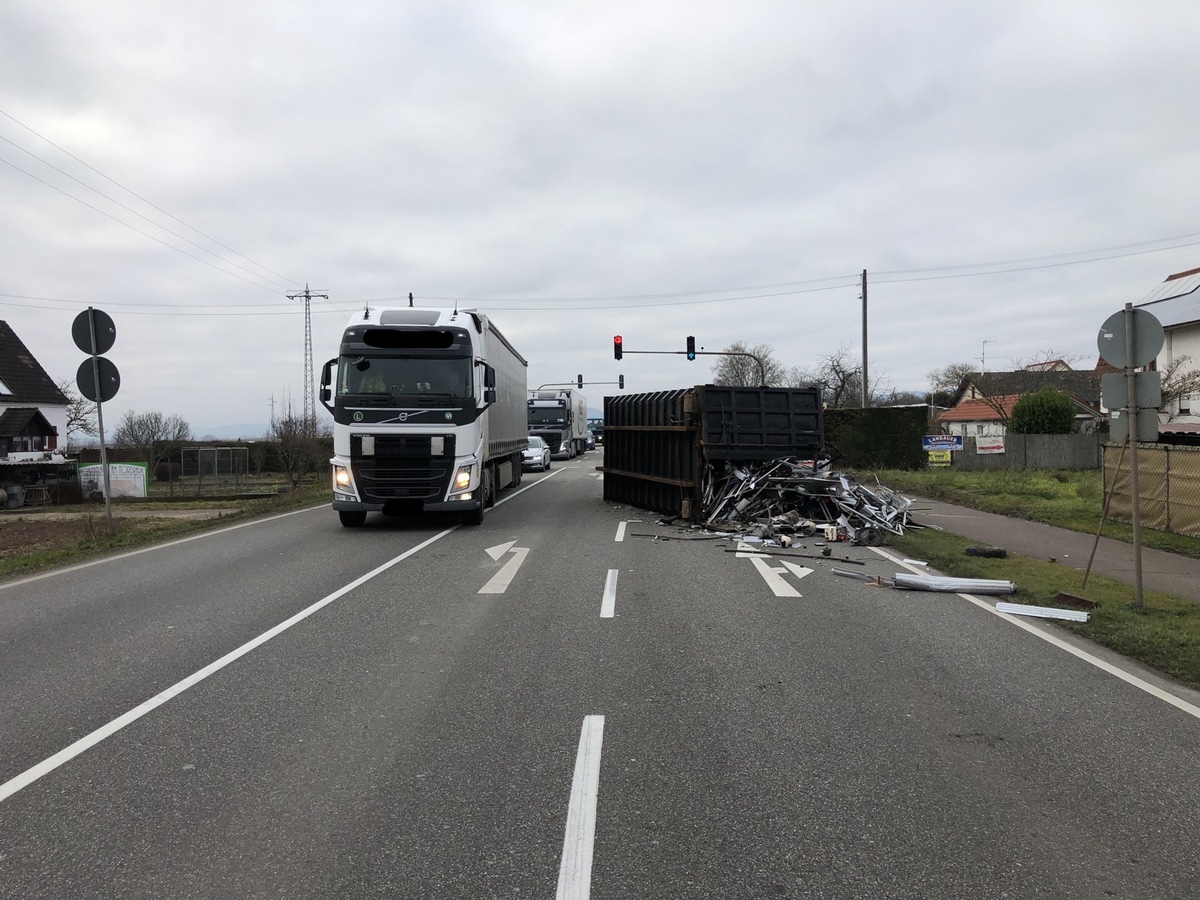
[(575, 871), (620, 532), (46, 766), (608, 604)]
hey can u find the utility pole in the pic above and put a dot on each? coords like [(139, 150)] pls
[(310, 401), (272, 398), (866, 390)]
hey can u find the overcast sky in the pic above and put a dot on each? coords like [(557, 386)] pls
[(1007, 172)]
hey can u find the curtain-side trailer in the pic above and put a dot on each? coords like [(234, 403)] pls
[(559, 417), (429, 412)]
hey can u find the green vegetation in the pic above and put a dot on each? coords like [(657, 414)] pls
[(1164, 635), (1045, 411), (1066, 499)]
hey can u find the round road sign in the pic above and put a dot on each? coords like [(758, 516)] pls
[(110, 380), (106, 331), (1147, 339)]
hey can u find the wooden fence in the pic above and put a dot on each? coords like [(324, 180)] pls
[(1033, 451)]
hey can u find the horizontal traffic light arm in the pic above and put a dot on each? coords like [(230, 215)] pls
[(762, 371)]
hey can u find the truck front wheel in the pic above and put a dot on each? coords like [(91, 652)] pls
[(352, 519)]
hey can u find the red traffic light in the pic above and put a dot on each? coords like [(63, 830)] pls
[(616, 346)]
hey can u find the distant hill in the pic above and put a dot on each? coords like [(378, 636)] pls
[(230, 432)]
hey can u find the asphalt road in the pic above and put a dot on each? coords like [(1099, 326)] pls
[(293, 709)]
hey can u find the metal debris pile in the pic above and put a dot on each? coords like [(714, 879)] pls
[(791, 496)]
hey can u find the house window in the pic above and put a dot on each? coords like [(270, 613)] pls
[(1185, 405), (979, 429)]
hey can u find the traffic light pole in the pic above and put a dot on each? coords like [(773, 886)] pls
[(762, 372)]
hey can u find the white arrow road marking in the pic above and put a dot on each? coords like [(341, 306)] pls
[(773, 575), (502, 579), (499, 550), (797, 570)]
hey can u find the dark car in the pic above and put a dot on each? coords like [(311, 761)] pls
[(537, 454)]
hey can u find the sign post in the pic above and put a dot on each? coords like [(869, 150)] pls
[(1129, 339), (98, 379)]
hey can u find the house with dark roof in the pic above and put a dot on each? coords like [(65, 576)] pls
[(984, 401), (33, 411)]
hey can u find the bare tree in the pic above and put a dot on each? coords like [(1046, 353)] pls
[(1178, 380), (302, 443), (839, 379), (943, 383), (81, 413), (743, 371), (154, 435)]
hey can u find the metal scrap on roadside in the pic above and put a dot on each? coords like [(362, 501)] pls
[(788, 496)]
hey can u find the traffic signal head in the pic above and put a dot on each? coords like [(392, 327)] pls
[(691, 347), (617, 347), (579, 380)]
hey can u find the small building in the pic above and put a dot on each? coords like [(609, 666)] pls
[(984, 401), (33, 411)]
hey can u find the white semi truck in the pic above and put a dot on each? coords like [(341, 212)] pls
[(429, 414), (559, 417)]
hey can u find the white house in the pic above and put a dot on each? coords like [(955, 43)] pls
[(1176, 304)]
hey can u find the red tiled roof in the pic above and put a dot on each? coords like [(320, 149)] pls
[(981, 410)]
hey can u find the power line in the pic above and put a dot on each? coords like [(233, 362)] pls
[(133, 193)]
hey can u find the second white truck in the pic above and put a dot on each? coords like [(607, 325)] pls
[(559, 417)]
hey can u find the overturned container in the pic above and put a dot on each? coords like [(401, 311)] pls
[(659, 445)]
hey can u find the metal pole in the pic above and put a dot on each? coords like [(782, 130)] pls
[(1131, 436), (866, 390), (100, 421)]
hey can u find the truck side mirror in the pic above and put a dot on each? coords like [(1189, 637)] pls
[(489, 395), (489, 377)]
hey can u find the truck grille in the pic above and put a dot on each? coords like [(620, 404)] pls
[(402, 468)]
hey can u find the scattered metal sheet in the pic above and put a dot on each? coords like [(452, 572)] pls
[(954, 585), (1042, 612)]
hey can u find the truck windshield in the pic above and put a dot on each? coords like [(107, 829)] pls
[(445, 377), (547, 416)]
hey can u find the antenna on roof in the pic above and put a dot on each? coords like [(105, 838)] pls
[(366, 311), (410, 298)]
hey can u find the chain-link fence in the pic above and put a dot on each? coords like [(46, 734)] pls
[(213, 470)]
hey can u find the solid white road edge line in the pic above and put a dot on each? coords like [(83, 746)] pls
[(608, 604), (575, 871), (29, 776), (1129, 678)]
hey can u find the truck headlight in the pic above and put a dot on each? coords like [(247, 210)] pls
[(462, 480), (341, 477)]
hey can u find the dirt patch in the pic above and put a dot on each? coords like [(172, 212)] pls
[(30, 532)]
